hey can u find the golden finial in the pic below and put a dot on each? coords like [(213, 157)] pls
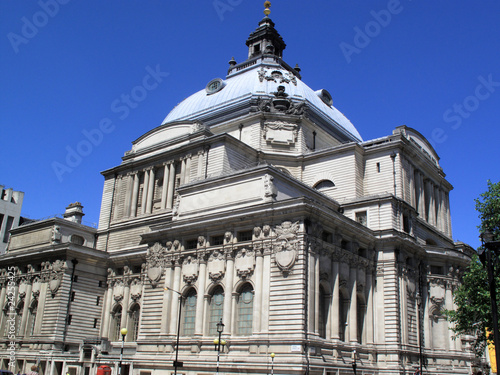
[(267, 5)]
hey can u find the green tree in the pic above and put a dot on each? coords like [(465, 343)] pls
[(472, 298)]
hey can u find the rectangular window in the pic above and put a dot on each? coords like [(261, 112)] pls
[(70, 317), (362, 218), (1, 220), (75, 278), (245, 235), (191, 244), (217, 240), (378, 167), (97, 300), (73, 296), (8, 226), (326, 236), (406, 224), (95, 322), (100, 283)]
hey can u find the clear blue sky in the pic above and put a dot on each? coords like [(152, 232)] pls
[(68, 66)]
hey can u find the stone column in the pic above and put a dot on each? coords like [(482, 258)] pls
[(27, 300), (316, 293), (171, 184), (135, 195), (183, 169), (151, 189), (258, 292), (199, 172), (175, 306), (107, 304), (188, 169), (116, 194), (165, 186), (228, 293), (369, 307), (335, 308), (353, 308), (266, 287), (167, 299), (145, 191), (202, 276), (125, 304), (128, 194)]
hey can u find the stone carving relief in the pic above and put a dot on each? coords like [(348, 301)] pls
[(281, 104), (190, 269), (118, 290), (136, 289), (287, 245), (244, 262), (277, 76), (56, 235), (228, 238), (56, 275), (201, 242), (155, 261), (270, 191), (216, 266), (280, 132)]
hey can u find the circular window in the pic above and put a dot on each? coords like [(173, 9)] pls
[(215, 85)]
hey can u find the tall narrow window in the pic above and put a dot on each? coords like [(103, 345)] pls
[(361, 312), (189, 313), (117, 322), (216, 310), (244, 310), (343, 311), (135, 313)]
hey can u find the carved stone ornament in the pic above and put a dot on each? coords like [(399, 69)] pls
[(277, 76), (266, 229), (118, 290), (216, 266), (155, 261), (56, 275), (280, 132), (136, 289), (244, 262), (56, 235), (270, 191), (286, 245), (190, 269), (228, 238), (201, 241)]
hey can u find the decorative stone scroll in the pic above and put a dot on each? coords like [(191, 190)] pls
[(155, 261), (244, 262), (286, 247)]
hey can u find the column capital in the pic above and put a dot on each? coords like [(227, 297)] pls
[(149, 168), (170, 162)]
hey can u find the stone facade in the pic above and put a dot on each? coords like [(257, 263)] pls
[(266, 212), (11, 203)]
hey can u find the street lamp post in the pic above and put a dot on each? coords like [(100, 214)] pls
[(354, 361), (176, 362), (272, 363), (486, 258), (218, 342), (123, 332)]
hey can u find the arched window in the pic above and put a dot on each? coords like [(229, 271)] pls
[(244, 310), (216, 309), (32, 318), (324, 184), (323, 312), (115, 334), (189, 307), (134, 313)]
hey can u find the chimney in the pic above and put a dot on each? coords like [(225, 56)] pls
[(74, 212)]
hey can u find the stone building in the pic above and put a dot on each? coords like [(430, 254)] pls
[(257, 204), (11, 203)]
